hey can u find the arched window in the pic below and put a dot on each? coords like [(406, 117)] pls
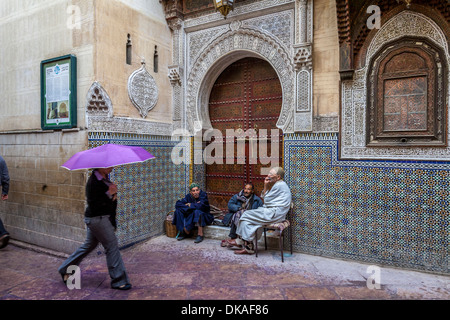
[(407, 95)]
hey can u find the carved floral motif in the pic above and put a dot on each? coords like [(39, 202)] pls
[(142, 90)]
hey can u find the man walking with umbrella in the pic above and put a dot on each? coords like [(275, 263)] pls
[(100, 219), (100, 214)]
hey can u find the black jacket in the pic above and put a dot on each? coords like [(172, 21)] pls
[(98, 202)]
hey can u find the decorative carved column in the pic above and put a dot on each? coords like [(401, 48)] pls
[(176, 72), (302, 54), (303, 32), (175, 81), (175, 19)]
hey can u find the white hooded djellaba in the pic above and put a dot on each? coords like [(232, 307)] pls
[(277, 202)]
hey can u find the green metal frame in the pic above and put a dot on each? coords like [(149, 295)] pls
[(72, 100)]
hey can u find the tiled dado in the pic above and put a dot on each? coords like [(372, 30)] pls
[(148, 190), (393, 213)]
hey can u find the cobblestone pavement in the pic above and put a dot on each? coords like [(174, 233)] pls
[(165, 269)]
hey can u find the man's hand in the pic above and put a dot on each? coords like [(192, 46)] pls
[(4, 197), (113, 191), (268, 184)]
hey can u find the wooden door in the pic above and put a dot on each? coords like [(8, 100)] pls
[(247, 95)]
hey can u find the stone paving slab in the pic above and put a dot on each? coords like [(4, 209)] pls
[(166, 269)]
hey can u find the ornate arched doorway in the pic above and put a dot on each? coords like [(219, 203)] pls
[(247, 95)]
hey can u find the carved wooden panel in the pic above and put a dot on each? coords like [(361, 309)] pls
[(247, 95), (359, 96), (405, 104), (406, 82)]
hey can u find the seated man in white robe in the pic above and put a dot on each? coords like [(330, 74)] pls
[(277, 201)]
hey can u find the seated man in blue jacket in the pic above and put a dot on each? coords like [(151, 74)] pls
[(191, 211), (244, 200)]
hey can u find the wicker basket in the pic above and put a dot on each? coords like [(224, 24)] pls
[(171, 230)]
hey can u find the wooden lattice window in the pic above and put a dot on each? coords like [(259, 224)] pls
[(406, 95)]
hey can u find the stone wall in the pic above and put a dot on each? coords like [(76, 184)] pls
[(46, 202)]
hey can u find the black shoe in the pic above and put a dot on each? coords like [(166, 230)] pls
[(65, 277), (198, 239), (123, 287), (183, 235), (4, 241)]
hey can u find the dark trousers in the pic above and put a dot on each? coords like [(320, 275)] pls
[(187, 219), (2, 229), (232, 233), (100, 230)]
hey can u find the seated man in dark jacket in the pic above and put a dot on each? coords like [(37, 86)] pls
[(193, 210), (244, 200)]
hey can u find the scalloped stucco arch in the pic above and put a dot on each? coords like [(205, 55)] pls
[(223, 51), (354, 92)]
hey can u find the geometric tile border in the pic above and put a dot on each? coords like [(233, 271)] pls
[(148, 190), (393, 213)]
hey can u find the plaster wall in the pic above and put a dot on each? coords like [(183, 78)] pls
[(145, 23)]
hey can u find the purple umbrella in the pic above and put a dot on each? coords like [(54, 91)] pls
[(106, 156)]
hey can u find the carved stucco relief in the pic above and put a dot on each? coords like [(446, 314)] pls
[(272, 37), (98, 101), (302, 55), (100, 117), (354, 92), (221, 52), (256, 6), (142, 90), (278, 31)]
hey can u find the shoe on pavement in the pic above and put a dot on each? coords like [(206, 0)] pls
[(4, 241), (198, 239), (123, 287), (183, 235)]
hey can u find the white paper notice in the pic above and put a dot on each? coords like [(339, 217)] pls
[(58, 83)]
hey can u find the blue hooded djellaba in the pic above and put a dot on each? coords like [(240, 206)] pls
[(186, 217)]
